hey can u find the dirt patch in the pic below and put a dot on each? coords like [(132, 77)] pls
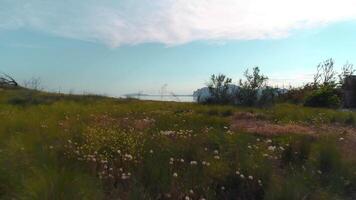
[(258, 123), (261, 125)]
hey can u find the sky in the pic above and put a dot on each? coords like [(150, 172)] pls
[(115, 47)]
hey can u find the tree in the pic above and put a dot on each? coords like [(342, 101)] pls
[(7, 81), (249, 88), (219, 89), (325, 75), (347, 70)]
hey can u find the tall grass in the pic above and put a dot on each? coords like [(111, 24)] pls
[(85, 147)]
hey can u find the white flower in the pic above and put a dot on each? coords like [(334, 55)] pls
[(271, 148), (258, 139), (182, 160), (319, 172), (151, 151), (242, 176), (193, 162), (250, 177), (128, 156), (341, 139), (175, 174), (216, 152), (191, 191), (187, 198), (217, 157), (237, 173), (269, 141)]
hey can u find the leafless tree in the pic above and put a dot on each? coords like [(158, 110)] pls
[(33, 83), (347, 70), (325, 75), (7, 80)]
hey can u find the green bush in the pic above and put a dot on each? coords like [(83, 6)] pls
[(323, 97)]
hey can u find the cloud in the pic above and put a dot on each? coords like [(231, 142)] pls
[(171, 22)]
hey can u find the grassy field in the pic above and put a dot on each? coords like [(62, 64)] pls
[(56, 146)]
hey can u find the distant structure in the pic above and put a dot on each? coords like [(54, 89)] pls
[(203, 94), (349, 89)]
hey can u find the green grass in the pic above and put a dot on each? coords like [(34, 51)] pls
[(55, 146)]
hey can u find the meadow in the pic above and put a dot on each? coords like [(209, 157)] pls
[(55, 146)]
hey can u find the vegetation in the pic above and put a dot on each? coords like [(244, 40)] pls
[(55, 146), (219, 89)]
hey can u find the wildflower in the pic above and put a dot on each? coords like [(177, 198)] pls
[(175, 174), (182, 160), (151, 151), (258, 139), (205, 149), (50, 147), (222, 188), (249, 146), (271, 148), (187, 198), (191, 191), (237, 173), (119, 151), (203, 163), (281, 148), (217, 157), (128, 156), (265, 155), (242, 176), (259, 182), (207, 164), (250, 177), (341, 139), (193, 162), (269, 141), (319, 172), (216, 152)]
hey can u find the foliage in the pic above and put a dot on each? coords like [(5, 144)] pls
[(325, 96), (325, 74), (347, 70), (250, 88), (219, 89)]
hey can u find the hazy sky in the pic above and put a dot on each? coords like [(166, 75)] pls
[(116, 47)]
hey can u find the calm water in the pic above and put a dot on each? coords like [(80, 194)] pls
[(165, 98)]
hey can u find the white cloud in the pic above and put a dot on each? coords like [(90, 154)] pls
[(171, 22)]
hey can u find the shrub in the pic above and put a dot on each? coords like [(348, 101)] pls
[(219, 89), (254, 90), (325, 96)]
